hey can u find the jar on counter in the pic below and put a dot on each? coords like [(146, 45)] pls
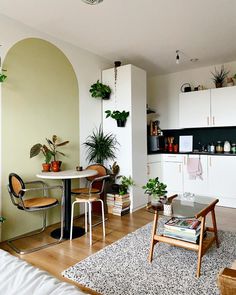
[(212, 148), (219, 147), (233, 148)]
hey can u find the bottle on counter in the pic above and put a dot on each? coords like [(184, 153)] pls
[(219, 147), (227, 147), (212, 148), (233, 148)]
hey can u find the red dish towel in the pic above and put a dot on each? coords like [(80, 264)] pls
[(194, 168)]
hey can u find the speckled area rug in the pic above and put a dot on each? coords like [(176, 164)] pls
[(123, 267)]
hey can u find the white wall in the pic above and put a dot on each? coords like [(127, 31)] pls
[(87, 67), (163, 91)]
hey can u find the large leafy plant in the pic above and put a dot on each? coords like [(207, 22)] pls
[(155, 188), (54, 144), (37, 148), (101, 146)]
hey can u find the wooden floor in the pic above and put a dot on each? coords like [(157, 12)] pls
[(55, 259)]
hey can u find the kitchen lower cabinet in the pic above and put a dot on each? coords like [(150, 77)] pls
[(172, 173), (222, 179), (154, 166), (198, 185)]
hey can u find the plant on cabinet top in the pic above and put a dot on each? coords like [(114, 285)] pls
[(100, 90)]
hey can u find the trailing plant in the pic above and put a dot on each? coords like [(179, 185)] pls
[(37, 148), (101, 146), (155, 188), (54, 144), (100, 90), (2, 77), (219, 76), (117, 115), (125, 184)]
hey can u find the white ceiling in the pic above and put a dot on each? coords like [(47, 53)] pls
[(142, 32)]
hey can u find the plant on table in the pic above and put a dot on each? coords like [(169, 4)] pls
[(36, 149), (50, 151), (101, 146), (120, 117), (219, 76), (100, 90), (156, 189)]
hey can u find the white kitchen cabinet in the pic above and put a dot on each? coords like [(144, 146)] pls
[(208, 108), (194, 109), (198, 185), (222, 179), (154, 167), (173, 173), (223, 106)]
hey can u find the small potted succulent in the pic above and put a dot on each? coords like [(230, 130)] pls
[(100, 90), (219, 76), (36, 149), (2, 77), (120, 117), (157, 191)]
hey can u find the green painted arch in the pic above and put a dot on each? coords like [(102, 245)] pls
[(39, 98)]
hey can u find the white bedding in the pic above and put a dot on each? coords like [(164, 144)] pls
[(17, 277)]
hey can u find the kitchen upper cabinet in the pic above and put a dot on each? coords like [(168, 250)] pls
[(223, 106), (222, 179), (208, 108), (194, 109), (198, 185)]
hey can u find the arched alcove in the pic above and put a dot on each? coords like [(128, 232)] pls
[(39, 98)]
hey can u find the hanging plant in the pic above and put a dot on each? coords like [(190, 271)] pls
[(120, 117), (100, 90), (117, 64), (2, 76)]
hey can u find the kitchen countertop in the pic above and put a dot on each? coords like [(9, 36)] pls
[(192, 153)]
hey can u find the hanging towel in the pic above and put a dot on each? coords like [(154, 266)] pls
[(194, 168)]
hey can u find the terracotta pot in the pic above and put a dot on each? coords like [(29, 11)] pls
[(46, 167), (55, 166)]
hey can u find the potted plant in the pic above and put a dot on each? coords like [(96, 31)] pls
[(100, 90), (36, 149), (125, 184), (219, 76), (120, 117), (157, 191), (100, 146), (53, 147), (2, 77)]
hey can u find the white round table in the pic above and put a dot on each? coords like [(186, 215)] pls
[(66, 177)]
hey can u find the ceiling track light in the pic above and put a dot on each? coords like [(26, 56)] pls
[(92, 2), (177, 57)]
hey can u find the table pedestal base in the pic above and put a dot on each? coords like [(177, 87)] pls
[(77, 232)]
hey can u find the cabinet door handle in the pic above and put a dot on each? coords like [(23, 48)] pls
[(210, 161), (208, 121), (213, 120), (148, 169), (184, 161), (179, 168)]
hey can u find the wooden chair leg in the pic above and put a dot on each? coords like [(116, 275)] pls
[(153, 242), (213, 217), (86, 216), (71, 222), (103, 219), (200, 247)]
